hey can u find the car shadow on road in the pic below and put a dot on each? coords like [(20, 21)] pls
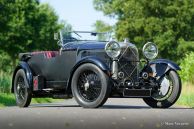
[(51, 105), (103, 107), (136, 107), (123, 107)]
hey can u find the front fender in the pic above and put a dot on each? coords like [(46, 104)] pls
[(161, 66), (23, 65), (94, 60), (170, 64), (90, 59)]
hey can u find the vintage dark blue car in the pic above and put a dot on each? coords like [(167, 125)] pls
[(92, 71)]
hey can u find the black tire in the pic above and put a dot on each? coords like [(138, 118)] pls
[(90, 86), (22, 93), (173, 95)]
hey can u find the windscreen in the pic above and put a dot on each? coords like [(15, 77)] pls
[(85, 36)]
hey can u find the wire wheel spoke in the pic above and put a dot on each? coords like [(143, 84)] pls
[(20, 89), (89, 86)]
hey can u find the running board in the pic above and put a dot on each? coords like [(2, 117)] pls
[(61, 96), (137, 93)]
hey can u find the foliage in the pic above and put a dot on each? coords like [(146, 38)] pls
[(167, 23), (101, 26), (26, 26), (187, 77), (187, 65), (5, 65), (5, 83)]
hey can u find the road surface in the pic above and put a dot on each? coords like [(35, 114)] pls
[(115, 114)]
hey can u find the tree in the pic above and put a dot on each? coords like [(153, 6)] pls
[(101, 26), (167, 23), (26, 26)]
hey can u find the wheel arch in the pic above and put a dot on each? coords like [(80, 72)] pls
[(163, 66), (23, 65), (90, 59)]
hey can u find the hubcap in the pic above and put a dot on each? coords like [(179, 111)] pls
[(166, 87), (86, 86)]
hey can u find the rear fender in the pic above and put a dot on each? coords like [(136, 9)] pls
[(23, 65)]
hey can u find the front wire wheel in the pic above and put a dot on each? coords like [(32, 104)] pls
[(169, 92), (90, 86)]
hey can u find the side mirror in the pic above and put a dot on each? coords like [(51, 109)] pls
[(56, 36)]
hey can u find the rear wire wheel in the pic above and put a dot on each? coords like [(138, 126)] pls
[(22, 93), (90, 86)]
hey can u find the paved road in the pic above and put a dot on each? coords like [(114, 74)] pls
[(115, 114)]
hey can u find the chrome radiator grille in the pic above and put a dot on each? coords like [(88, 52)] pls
[(129, 69), (129, 63)]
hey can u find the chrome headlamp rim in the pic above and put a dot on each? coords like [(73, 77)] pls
[(113, 49), (150, 50)]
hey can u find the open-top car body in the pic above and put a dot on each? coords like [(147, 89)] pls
[(92, 71)]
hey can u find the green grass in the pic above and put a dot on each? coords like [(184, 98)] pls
[(187, 96), (43, 100), (5, 82), (9, 100)]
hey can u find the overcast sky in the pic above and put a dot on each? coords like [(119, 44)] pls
[(79, 13)]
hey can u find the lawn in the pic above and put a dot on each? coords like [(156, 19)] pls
[(187, 95), (9, 100)]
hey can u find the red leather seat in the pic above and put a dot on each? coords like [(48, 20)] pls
[(47, 54)]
